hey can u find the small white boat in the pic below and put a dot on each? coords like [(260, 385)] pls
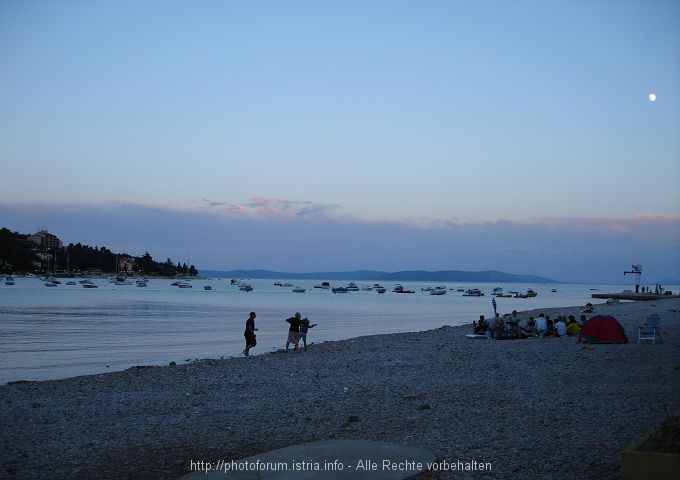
[(438, 291), (246, 288), (498, 292), (9, 280), (473, 292), (299, 290), (352, 287)]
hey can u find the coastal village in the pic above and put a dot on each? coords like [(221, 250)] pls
[(43, 253)]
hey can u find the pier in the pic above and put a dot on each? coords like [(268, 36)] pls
[(633, 296)]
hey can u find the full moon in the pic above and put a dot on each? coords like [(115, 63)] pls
[(652, 97)]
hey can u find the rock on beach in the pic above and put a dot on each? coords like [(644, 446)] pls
[(540, 408)]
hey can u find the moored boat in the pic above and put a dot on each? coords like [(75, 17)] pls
[(120, 280), (400, 289), (473, 292)]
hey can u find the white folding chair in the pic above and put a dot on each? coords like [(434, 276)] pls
[(651, 330)]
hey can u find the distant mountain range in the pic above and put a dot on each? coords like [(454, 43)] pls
[(489, 276)]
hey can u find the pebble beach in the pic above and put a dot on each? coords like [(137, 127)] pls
[(538, 408)]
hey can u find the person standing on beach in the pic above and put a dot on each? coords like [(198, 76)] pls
[(294, 330), (249, 333), (304, 326)]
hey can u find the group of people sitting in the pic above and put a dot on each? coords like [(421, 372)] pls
[(510, 326)]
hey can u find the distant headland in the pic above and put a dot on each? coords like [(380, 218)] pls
[(487, 276)]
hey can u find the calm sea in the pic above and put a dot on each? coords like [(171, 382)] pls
[(68, 330)]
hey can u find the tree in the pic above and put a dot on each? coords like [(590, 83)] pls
[(17, 252), (146, 264)]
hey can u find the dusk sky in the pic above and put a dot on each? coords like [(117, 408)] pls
[(339, 135)]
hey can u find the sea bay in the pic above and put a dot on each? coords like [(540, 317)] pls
[(63, 331)]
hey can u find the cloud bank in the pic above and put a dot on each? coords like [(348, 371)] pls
[(306, 236)]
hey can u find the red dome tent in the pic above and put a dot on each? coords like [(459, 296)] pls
[(602, 329)]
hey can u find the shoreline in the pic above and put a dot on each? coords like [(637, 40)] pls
[(535, 408)]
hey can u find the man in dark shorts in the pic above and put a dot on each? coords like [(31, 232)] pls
[(249, 333), (304, 326)]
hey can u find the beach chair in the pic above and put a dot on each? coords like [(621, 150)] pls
[(651, 330)]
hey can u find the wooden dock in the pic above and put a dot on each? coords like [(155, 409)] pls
[(631, 296)]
